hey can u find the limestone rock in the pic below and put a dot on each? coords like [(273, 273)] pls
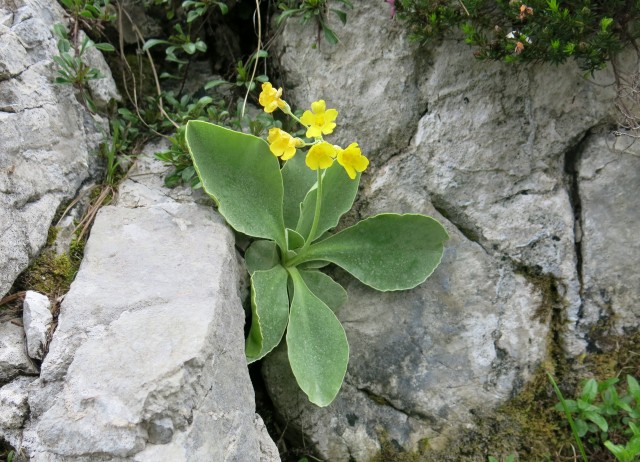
[(371, 77), (489, 149), (104, 89), (147, 362), (607, 184), (422, 361), (14, 409), (46, 137), (13, 353), (37, 319)]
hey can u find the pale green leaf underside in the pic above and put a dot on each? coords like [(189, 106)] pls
[(316, 344), (242, 176), (269, 310), (387, 251)]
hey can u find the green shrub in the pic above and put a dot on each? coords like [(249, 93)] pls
[(590, 31)]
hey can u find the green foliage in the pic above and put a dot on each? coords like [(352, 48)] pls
[(510, 458), (207, 109), (590, 31), (316, 10), (72, 69), (252, 191), (606, 416), (187, 20)]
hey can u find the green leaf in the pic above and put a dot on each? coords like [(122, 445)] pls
[(387, 251), (581, 427), (270, 311), (331, 37), (261, 256), (589, 390), (153, 42), (316, 344), (242, 176), (104, 47), (598, 420), (297, 179), (341, 14), (215, 83), (338, 194), (616, 449), (326, 289), (224, 9), (190, 48), (294, 240), (634, 389)]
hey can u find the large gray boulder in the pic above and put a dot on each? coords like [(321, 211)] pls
[(147, 362), (502, 156), (47, 138)]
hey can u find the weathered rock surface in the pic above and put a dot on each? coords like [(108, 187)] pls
[(608, 182), (14, 360), (500, 154), (147, 362), (37, 319), (14, 409), (46, 137)]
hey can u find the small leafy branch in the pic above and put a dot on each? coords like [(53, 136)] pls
[(606, 417), (317, 10), (591, 31), (291, 210), (72, 68)]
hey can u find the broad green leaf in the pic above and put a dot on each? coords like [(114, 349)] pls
[(261, 256), (242, 176), (316, 344), (297, 179), (294, 240), (581, 427), (589, 390), (269, 310), (598, 420), (387, 251), (338, 194), (326, 289)]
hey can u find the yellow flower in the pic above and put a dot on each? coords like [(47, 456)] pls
[(283, 145), (271, 99), (321, 156), (352, 160), (320, 121)]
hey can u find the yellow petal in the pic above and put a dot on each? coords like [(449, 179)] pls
[(318, 106), (331, 115)]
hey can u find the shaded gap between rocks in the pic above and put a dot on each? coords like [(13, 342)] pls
[(571, 160)]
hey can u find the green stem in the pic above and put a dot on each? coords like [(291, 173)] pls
[(316, 216), (567, 413), (314, 226)]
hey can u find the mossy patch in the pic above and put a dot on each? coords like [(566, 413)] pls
[(50, 273)]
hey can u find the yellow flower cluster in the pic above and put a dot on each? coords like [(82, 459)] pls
[(318, 121)]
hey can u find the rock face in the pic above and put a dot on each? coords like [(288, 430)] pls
[(512, 160), (14, 360), (37, 319), (46, 137), (147, 362), (608, 178)]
